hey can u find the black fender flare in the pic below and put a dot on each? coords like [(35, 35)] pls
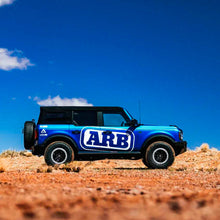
[(157, 137), (61, 137)]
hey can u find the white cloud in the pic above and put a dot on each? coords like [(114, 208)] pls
[(6, 2), (58, 101), (13, 60)]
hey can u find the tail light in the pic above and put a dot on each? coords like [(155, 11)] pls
[(35, 134)]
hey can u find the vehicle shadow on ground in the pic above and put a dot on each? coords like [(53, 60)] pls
[(129, 168)]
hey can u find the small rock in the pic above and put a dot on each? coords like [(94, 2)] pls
[(139, 187), (49, 170), (135, 192), (201, 203), (174, 206), (29, 214), (39, 170), (110, 192), (61, 215), (67, 189)]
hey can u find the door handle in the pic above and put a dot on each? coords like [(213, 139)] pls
[(107, 132), (76, 132)]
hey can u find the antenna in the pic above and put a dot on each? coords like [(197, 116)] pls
[(139, 110)]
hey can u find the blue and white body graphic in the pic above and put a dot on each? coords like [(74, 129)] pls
[(110, 139)]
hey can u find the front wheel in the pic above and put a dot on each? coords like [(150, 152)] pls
[(159, 155), (58, 152), (146, 163)]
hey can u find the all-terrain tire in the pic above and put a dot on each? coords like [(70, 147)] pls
[(29, 132), (58, 152), (159, 155)]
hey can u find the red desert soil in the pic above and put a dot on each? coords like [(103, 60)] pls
[(111, 189)]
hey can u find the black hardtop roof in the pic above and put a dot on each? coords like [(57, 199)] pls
[(72, 108)]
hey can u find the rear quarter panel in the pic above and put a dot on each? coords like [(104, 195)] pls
[(46, 131)]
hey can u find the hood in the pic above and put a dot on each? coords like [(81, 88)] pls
[(159, 127)]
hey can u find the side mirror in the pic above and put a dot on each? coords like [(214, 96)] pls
[(133, 122)]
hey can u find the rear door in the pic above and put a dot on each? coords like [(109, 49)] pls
[(82, 119)]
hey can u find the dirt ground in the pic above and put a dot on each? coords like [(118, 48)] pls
[(111, 189)]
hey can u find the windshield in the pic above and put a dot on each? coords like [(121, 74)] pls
[(128, 114)]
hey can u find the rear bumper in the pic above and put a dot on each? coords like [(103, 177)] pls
[(37, 149), (181, 146)]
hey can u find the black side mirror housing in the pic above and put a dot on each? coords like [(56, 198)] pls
[(133, 122)]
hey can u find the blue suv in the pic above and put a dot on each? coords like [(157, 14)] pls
[(64, 134)]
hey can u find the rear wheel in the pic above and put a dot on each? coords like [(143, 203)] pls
[(58, 152), (29, 130), (159, 155)]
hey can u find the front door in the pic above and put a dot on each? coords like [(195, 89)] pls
[(113, 136)]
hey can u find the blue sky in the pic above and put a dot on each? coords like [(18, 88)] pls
[(163, 54)]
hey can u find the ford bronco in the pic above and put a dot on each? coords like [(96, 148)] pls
[(64, 134)]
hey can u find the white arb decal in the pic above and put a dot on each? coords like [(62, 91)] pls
[(43, 126), (92, 139), (43, 132)]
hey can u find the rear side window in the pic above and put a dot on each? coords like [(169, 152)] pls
[(85, 118), (64, 117)]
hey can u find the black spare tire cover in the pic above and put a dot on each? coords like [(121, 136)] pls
[(29, 133)]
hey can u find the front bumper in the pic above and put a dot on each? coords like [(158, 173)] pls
[(181, 146)]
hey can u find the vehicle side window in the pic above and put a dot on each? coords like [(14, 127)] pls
[(85, 118), (113, 119), (56, 117)]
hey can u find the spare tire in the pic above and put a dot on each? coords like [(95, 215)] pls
[(29, 133)]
